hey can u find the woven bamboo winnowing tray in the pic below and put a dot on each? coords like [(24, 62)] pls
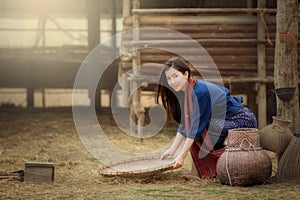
[(137, 166)]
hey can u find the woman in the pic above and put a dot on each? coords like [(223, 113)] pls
[(200, 108)]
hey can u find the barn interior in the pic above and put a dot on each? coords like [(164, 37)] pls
[(43, 44), (46, 48)]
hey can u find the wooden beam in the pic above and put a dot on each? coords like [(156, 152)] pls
[(237, 79), (201, 10), (153, 43)]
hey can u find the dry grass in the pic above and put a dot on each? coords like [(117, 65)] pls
[(50, 136)]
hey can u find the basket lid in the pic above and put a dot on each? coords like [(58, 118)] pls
[(140, 165)]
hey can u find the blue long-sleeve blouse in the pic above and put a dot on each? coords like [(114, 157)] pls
[(210, 101)]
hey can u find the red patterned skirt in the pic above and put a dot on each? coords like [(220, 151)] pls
[(205, 157)]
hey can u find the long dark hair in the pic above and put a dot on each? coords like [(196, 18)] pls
[(171, 99)]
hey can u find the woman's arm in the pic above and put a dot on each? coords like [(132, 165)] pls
[(179, 161), (176, 143)]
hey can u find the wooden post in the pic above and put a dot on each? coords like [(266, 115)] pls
[(261, 67), (285, 69), (93, 8), (93, 23), (44, 20), (126, 8), (43, 98), (30, 86), (136, 110), (30, 98), (113, 27), (250, 3)]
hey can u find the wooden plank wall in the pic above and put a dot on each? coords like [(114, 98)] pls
[(230, 39), (236, 57)]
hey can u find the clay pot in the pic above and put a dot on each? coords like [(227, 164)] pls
[(276, 136)]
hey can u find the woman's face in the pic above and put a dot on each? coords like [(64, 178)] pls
[(176, 79)]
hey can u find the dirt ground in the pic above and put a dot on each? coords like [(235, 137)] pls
[(49, 135)]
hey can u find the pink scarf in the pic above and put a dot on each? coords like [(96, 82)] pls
[(188, 103)]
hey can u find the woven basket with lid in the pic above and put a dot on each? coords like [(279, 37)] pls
[(237, 167), (243, 138), (244, 162)]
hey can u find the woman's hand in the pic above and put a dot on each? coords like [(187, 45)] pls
[(178, 162), (171, 151), (167, 153)]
